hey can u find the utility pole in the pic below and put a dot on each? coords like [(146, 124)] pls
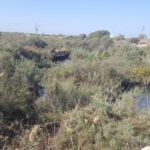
[(36, 28)]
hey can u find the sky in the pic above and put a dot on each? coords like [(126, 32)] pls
[(72, 17)]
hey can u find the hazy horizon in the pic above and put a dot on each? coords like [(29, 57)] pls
[(75, 17)]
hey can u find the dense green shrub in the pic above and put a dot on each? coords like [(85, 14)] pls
[(103, 125), (40, 44), (99, 34), (141, 74), (82, 36), (16, 97), (134, 40)]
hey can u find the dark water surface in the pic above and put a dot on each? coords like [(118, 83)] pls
[(143, 102)]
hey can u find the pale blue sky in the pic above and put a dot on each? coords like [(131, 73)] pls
[(75, 16)]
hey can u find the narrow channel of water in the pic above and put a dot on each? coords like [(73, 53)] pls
[(143, 102)]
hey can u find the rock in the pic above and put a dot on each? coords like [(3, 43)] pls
[(96, 119), (146, 148), (2, 74)]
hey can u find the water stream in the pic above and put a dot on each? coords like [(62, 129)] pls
[(143, 102)]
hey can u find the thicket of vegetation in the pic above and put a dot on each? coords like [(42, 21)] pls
[(89, 101)]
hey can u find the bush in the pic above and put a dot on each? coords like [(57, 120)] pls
[(99, 34), (105, 43), (100, 125), (37, 42), (17, 103), (40, 44), (141, 74), (119, 37), (82, 36), (64, 96), (134, 40)]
